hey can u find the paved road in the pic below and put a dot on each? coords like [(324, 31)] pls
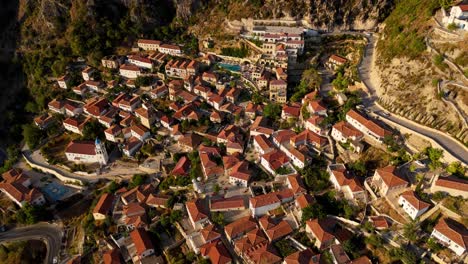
[(49, 233), (447, 142)]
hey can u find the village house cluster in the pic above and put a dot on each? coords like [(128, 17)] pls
[(235, 162)]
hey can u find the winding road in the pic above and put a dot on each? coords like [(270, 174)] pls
[(50, 234), (447, 142)]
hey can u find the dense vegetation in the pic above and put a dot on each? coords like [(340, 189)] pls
[(405, 28)]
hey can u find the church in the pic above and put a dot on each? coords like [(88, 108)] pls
[(87, 152)]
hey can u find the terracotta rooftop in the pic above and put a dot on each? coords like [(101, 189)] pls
[(347, 130), (81, 147), (141, 240), (322, 228), (276, 159), (217, 252), (104, 204), (262, 253), (305, 200), (297, 185), (369, 124), (302, 257), (196, 210), (389, 176), (338, 58), (454, 231), (240, 226), (227, 203), (112, 256), (416, 202), (209, 233), (452, 183)]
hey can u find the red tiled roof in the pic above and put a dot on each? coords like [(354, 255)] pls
[(317, 105), (369, 124), (454, 231), (452, 183), (417, 203), (240, 226), (182, 167), (141, 240), (380, 222), (322, 229), (347, 130), (241, 171), (270, 198), (20, 193), (81, 147), (209, 234), (262, 253), (217, 252), (278, 231), (302, 257), (338, 58), (129, 67), (263, 142), (104, 204), (389, 176), (296, 183), (305, 200), (111, 257), (309, 137), (276, 159), (227, 203), (196, 210), (157, 200), (149, 41)]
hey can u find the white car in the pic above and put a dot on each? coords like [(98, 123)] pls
[(420, 163)]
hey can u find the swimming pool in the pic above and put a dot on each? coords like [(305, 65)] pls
[(230, 67), (55, 191)]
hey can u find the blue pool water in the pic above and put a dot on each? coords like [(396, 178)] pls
[(231, 67), (55, 191)]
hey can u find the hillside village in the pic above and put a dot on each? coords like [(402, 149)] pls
[(208, 160)]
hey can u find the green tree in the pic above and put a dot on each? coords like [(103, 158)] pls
[(137, 180), (409, 231), (273, 111), (92, 130), (218, 218), (216, 188), (32, 135), (313, 212), (456, 168), (29, 214), (434, 155)]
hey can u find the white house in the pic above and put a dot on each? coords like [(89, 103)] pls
[(344, 182), (452, 235), (63, 82), (129, 71), (367, 126), (274, 160), (197, 213), (140, 132), (141, 62), (261, 204), (458, 16), (343, 132), (262, 144), (412, 205), (87, 152), (149, 44), (170, 49), (87, 73)]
